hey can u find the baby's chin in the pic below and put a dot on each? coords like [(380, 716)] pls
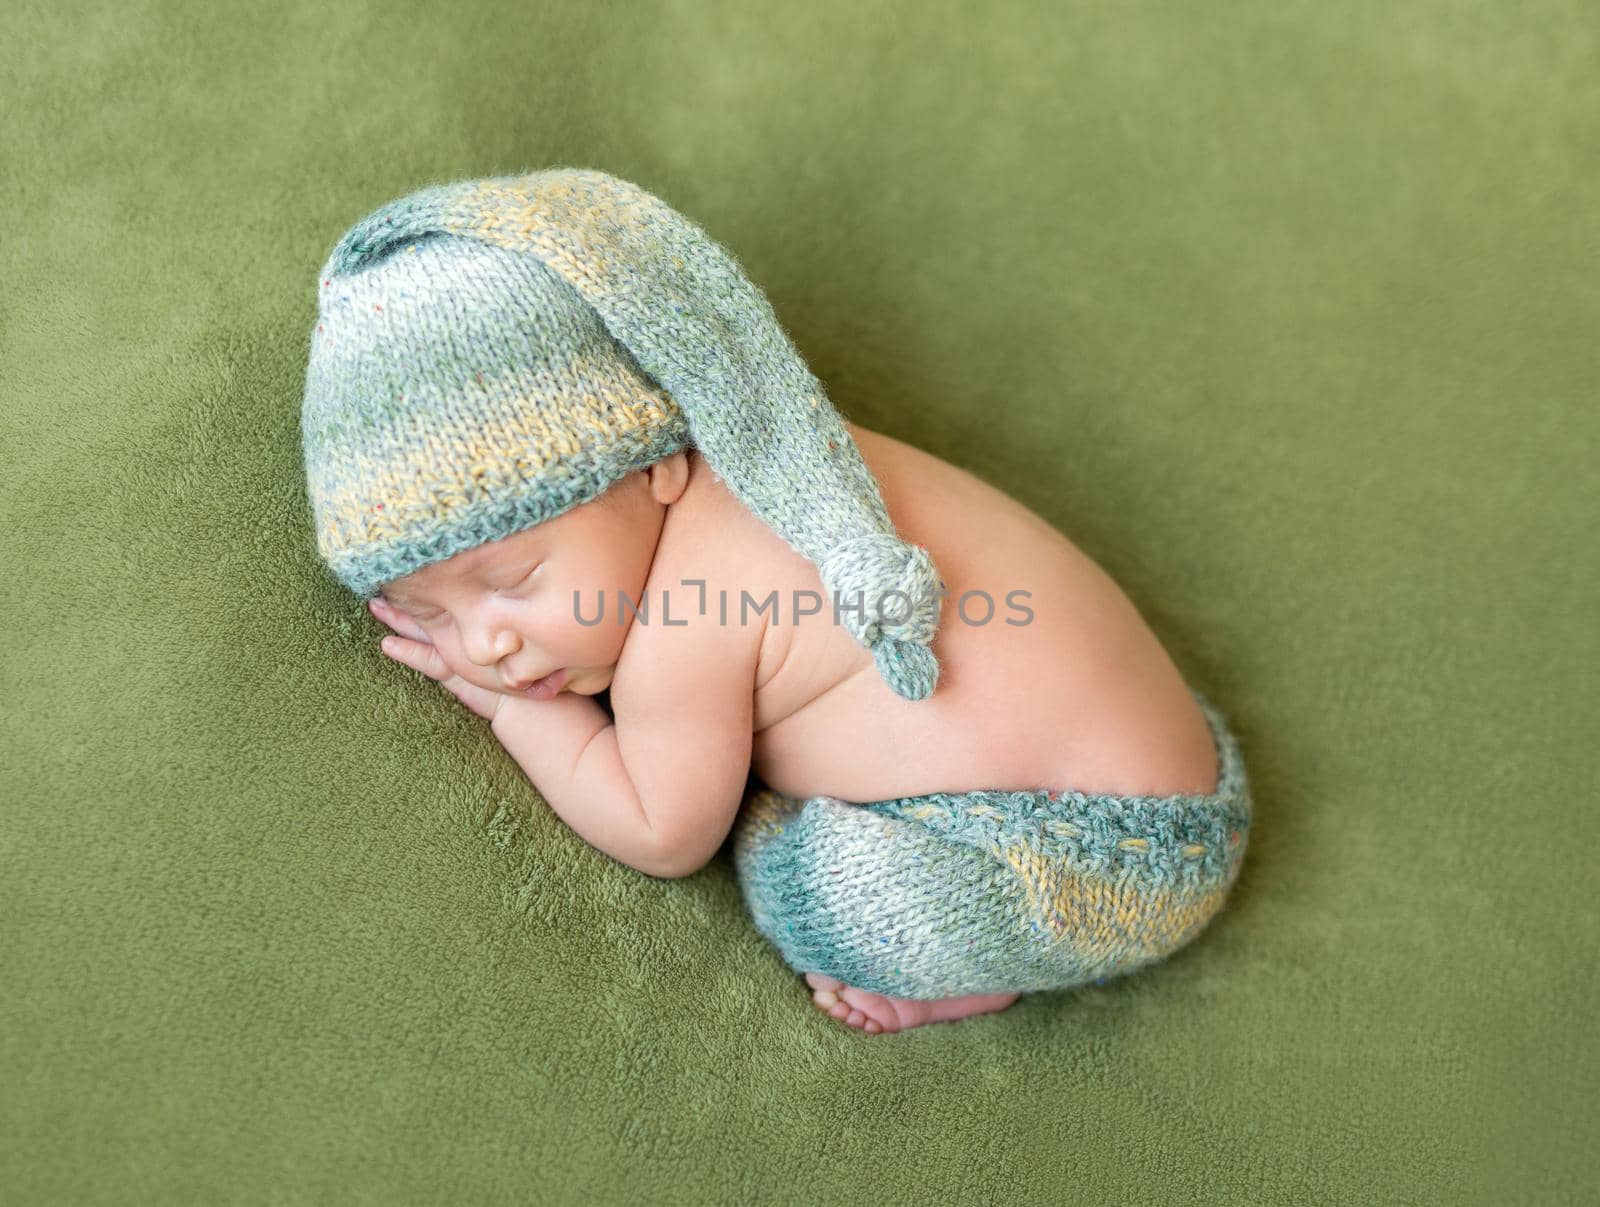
[(589, 681)]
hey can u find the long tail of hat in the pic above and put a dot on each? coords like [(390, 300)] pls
[(683, 307)]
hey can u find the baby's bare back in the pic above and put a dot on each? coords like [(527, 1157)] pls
[(1074, 693)]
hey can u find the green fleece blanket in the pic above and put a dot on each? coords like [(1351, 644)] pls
[(1285, 313)]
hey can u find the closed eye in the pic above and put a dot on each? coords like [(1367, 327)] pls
[(523, 581)]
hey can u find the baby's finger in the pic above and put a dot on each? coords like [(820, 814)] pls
[(419, 656), (398, 648), (396, 619)]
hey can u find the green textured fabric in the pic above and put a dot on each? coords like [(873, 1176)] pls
[(1284, 312)]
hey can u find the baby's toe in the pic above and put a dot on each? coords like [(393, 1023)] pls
[(853, 1007), (874, 1006)]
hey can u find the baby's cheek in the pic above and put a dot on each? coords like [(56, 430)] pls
[(596, 645)]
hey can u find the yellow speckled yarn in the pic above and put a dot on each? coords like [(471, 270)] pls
[(991, 892), (490, 353)]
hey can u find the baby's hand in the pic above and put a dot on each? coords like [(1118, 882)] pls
[(414, 649)]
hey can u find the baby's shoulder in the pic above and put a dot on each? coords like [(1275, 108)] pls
[(710, 543), (684, 631)]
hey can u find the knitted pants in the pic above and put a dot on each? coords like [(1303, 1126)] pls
[(990, 892)]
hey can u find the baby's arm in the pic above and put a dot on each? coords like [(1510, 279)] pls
[(659, 788)]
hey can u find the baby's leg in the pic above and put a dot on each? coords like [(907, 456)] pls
[(895, 926), (929, 916), (940, 906)]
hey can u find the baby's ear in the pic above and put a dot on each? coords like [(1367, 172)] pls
[(669, 477)]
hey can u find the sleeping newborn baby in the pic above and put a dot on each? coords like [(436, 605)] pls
[(1062, 687), (995, 782)]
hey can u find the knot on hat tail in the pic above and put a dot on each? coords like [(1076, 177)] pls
[(887, 592)]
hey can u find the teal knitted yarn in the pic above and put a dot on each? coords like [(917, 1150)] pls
[(459, 392), (948, 894), (490, 353)]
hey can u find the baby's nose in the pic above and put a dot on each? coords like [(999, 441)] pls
[(487, 646)]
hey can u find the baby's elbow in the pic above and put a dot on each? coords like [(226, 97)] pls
[(689, 827)]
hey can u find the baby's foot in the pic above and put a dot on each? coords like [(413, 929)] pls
[(875, 1012)]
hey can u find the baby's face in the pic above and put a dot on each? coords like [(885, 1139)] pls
[(502, 615)]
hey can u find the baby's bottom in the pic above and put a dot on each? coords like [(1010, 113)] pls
[(990, 893)]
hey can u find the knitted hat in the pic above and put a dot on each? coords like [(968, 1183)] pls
[(492, 353)]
